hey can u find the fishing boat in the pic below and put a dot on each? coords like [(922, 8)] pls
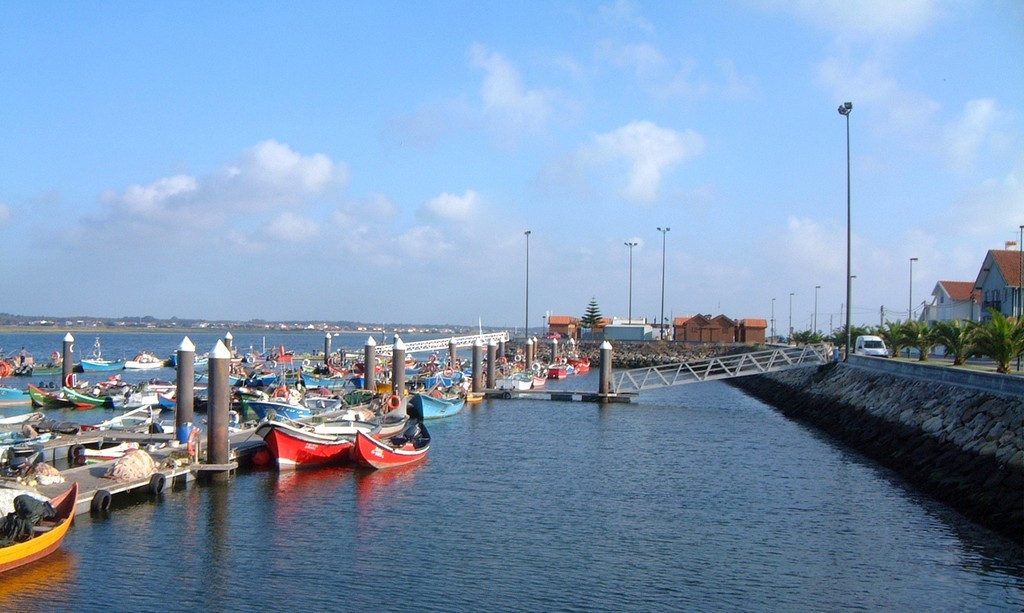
[(516, 381), (10, 396), (137, 420), (294, 444), (84, 400), (96, 362), (271, 408), (580, 365), (17, 421), (410, 446), (433, 407), (144, 361), (47, 399), (46, 536), (558, 371)]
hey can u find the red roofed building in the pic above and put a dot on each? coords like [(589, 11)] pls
[(752, 330), (566, 325), (999, 283), (953, 300)]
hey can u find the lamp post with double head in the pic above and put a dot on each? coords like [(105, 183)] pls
[(845, 109), (630, 244), (816, 288), (663, 231)]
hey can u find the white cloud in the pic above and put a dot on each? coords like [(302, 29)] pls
[(623, 13), (5, 212), (292, 228), (451, 207), (151, 200), (881, 19), (504, 96), (647, 151), (997, 205), (277, 164), (966, 135), (424, 243)]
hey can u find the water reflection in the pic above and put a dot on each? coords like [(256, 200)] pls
[(56, 575)]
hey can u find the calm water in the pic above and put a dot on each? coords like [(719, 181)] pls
[(694, 498)]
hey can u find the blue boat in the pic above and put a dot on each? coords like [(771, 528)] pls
[(436, 408), (96, 361), (265, 408), (10, 396)]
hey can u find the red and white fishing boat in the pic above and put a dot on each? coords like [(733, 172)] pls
[(406, 448), (295, 444), (558, 371)]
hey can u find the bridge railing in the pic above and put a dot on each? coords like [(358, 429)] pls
[(440, 344), (722, 367)]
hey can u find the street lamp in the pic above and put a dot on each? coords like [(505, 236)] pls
[(526, 331), (816, 288), (630, 245), (845, 109), (910, 298), (663, 233), (789, 339), (773, 320)]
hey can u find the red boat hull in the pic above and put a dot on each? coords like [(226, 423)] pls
[(378, 454), (292, 449), (557, 372)]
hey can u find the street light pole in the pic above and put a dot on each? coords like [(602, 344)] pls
[(910, 299), (845, 109), (630, 245), (789, 339), (663, 233), (816, 288), (773, 320), (526, 331)]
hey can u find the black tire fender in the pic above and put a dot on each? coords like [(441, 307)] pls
[(100, 502), (157, 483)]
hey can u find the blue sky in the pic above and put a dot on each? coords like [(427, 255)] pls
[(381, 161)]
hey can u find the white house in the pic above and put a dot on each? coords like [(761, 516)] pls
[(999, 283), (953, 300)]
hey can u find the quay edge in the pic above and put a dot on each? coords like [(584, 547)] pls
[(958, 443)]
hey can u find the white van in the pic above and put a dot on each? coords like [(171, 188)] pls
[(870, 345)]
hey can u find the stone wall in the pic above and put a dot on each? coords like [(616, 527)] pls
[(962, 446)]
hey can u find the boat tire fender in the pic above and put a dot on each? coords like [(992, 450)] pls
[(506, 395), (76, 455), (100, 502), (157, 482)]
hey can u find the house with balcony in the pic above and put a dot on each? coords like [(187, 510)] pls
[(999, 283)]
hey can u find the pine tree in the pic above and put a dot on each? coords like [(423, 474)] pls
[(592, 317)]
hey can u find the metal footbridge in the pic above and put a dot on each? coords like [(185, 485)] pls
[(440, 344), (722, 367)]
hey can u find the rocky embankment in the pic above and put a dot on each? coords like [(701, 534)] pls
[(962, 446), (640, 355)]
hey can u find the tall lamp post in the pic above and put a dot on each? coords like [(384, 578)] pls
[(663, 231), (526, 331), (845, 109), (630, 244), (773, 320), (816, 288), (789, 339), (1020, 283), (910, 298)]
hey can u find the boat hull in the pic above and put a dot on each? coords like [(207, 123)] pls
[(376, 453), (45, 543), (436, 408), (299, 447), (263, 408), (102, 365)]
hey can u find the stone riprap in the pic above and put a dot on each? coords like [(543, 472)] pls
[(962, 446)]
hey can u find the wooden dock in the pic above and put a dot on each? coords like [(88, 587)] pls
[(560, 395)]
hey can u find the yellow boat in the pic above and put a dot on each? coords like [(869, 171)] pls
[(48, 535)]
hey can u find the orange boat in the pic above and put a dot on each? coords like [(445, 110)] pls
[(48, 535)]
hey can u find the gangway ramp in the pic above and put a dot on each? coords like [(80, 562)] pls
[(722, 367)]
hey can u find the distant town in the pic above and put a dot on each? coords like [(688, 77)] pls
[(147, 323)]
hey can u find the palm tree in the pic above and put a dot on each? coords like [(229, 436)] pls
[(920, 336), (892, 334), (1001, 338), (956, 336)]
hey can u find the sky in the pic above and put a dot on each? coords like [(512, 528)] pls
[(382, 161)]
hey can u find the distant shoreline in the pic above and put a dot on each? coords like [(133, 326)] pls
[(122, 330)]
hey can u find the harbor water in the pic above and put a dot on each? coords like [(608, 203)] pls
[(691, 498)]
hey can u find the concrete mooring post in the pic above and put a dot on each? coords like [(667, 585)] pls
[(327, 348), (370, 365), (501, 349), (229, 341), (604, 382), (492, 360), (529, 353), (453, 354), (67, 364), (478, 371), (218, 451), (184, 395), (398, 368)]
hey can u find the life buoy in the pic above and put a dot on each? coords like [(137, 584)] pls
[(281, 392), (54, 356), (193, 444), (394, 402), (100, 502), (519, 358), (449, 372), (271, 364), (503, 360), (69, 380), (157, 482), (305, 362)]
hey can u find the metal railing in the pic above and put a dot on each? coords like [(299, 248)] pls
[(722, 367), (440, 344)]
